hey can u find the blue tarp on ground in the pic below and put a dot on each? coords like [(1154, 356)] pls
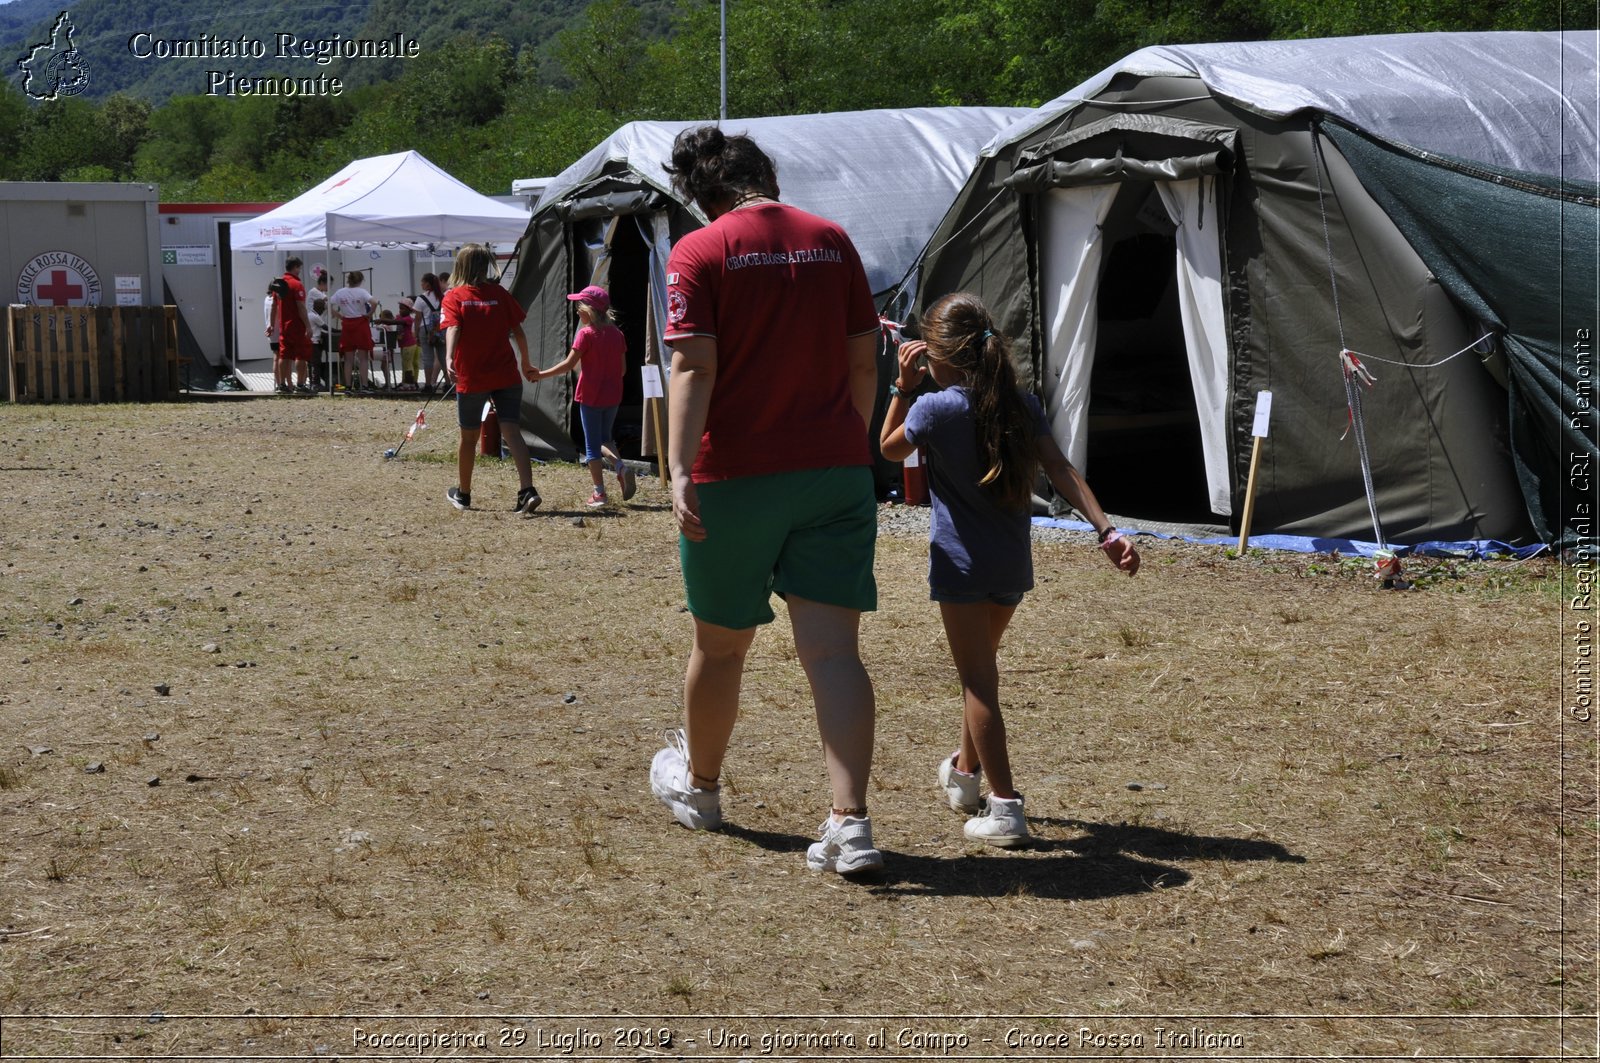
[(1471, 550)]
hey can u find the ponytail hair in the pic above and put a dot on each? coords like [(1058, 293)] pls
[(961, 332), (713, 169), (599, 319)]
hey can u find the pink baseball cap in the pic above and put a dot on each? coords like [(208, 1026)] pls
[(595, 296)]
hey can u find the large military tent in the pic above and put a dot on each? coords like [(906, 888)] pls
[(611, 217), (1194, 225)]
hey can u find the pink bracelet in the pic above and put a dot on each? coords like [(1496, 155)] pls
[(1113, 537)]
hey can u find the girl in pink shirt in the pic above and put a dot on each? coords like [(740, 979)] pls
[(599, 351)]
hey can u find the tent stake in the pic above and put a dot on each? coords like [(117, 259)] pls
[(1249, 497), (655, 408), (1259, 431), (661, 443)]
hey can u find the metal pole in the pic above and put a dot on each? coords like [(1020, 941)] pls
[(722, 113), (327, 322)]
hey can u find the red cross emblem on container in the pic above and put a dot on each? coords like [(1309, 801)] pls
[(60, 291), (58, 278)]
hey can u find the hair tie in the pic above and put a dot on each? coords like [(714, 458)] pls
[(988, 334)]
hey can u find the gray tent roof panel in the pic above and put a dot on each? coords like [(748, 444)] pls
[(1512, 100), (886, 176), (644, 146)]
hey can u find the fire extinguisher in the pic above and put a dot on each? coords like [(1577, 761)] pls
[(914, 478), (489, 434)]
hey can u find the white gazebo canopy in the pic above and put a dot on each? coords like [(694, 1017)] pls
[(399, 200)]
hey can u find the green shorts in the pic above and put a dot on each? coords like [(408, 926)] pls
[(810, 533)]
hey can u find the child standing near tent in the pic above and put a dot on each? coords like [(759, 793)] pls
[(353, 304), (599, 351), (430, 338), (409, 355), (985, 442), (275, 289), (385, 343), (318, 327), (330, 323)]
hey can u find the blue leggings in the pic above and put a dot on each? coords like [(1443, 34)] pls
[(598, 421)]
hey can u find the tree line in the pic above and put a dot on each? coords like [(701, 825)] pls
[(490, 111)]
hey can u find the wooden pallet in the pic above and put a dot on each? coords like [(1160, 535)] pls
[(92, 354)]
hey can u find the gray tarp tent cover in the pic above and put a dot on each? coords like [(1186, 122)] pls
[(1196, 224), (610, 218)]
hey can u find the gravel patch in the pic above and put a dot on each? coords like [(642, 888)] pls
[(914, 522)]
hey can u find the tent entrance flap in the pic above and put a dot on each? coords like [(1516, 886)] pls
[(613, 252), (1135, 358)]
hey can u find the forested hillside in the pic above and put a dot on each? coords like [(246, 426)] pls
[(106, 30), (501, 91), (17, 16)]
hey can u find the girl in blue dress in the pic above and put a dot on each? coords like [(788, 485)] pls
[(985, 441)]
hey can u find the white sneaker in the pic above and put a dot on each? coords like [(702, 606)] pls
[(1001, 824), (960, 789), (693, 807), (845, 848)]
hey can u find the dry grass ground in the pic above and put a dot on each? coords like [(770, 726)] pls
[(287, 736)]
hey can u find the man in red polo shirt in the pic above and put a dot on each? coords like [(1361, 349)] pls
[(294, 328)]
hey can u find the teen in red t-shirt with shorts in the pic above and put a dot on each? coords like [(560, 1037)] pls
[(480, 321), (774, 342)]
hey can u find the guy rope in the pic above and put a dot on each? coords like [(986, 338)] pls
[(1356, 376)]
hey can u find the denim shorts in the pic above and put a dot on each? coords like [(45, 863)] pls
[(507, 406), (974, 597), (432, 354)]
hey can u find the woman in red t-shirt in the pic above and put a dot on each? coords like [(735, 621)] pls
[(480, 321), (774, 340)]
